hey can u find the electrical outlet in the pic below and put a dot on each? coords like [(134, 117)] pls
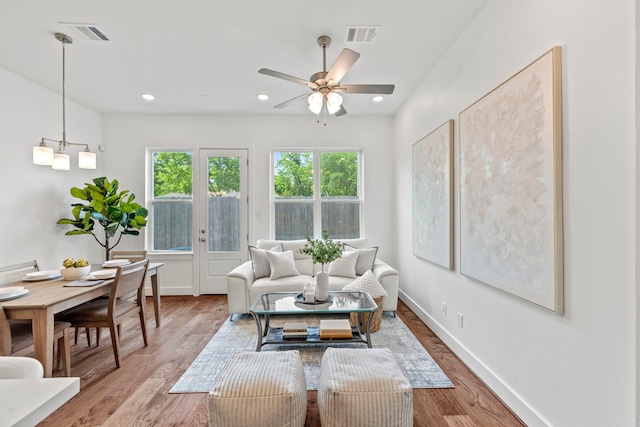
[(444, 308), (460, 320)]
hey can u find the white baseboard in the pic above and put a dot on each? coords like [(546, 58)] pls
[(508, 396)]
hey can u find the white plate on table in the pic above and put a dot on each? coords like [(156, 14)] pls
[(12, 292), (116, 263), (41, 275), (102, 274)]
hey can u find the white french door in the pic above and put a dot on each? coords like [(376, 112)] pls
[(223, 216)]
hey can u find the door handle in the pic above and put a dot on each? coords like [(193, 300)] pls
[(202, 239)]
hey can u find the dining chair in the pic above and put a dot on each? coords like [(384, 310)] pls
[(15, 272), (112, 312), (133, 256), (16, 339)]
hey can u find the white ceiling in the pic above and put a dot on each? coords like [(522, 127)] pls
[(203, 56)]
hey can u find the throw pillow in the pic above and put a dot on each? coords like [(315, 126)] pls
[(366, 258), (367, 283), (260, 262), (344, 266), (282, 264)]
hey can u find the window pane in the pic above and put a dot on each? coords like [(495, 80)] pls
[(172, 174), (339, 175), (171, 225), (293, 220), (172, 201), (341, 219), (224, 204), (293, 175)]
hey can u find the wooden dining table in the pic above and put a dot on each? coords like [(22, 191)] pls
[(49, 297)]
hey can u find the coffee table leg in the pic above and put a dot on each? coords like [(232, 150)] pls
[(259, 326), (369, 330)]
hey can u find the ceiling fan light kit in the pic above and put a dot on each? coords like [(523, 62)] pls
[(60, 160), (325, 85)]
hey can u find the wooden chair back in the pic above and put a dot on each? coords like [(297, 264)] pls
[(130, 255), (129, 279), (15, 272)]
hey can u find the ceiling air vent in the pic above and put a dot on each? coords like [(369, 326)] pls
[(86, 31), (361, 34)]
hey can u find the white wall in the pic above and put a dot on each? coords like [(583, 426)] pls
[(35, 197), (130, 134), (577, 369)]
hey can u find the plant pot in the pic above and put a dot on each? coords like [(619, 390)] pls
[(322, 286)]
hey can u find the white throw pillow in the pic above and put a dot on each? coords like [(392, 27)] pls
[(367, 283), (366, 258), (282, 264), (260, 262), (344, 266)]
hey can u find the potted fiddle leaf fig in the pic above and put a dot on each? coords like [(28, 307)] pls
[(101, 203)]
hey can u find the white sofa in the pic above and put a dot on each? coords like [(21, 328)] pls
[(243, 288)]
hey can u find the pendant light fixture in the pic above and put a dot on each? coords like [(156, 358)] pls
[(44, 155)]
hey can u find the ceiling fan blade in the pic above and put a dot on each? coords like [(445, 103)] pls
[(343, 63), (283, 76), (371, 89), (291, 101), (341, 111)]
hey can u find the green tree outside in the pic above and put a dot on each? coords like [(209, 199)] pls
[(339, 174), (294, 174), (172, 173)]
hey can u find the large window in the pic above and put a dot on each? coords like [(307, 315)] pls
[(171, 200), (314, 191)]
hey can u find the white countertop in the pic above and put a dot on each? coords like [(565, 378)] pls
[(26, 402)]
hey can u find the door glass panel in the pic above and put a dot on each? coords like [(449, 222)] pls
[(223, 204)]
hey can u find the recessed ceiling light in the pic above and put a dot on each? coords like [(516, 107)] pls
[(263, 97), (377, 98), (148, 96)]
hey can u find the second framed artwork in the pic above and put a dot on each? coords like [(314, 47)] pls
[(432, 158), (511, 185)]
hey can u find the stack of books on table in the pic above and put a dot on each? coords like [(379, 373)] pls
[(335, 328), (294, 330)]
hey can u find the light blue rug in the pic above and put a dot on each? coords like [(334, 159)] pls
[(240, 335)]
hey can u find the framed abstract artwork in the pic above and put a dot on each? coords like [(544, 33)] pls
[(511, 185), (432, 158)]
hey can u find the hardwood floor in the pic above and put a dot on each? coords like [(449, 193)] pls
[(137, 393)]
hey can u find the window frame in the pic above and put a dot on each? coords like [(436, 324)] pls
[(316, 199)]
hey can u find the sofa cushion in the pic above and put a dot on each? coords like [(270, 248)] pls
[(260, 261), (360, 243), (282, 264), (366, 258), (345, 265), (367, 283)]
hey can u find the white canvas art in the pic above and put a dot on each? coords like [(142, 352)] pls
[(511, 185), (432, 196)]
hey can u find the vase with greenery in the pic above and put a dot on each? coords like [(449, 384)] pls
[(322, 251), (116, 212)]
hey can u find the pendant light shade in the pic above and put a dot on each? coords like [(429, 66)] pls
[(61, 162), (43, 155)]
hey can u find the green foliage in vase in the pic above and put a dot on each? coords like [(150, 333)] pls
[(322, 251), (115, 211)]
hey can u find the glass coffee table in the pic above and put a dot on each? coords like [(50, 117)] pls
[(292, 303)]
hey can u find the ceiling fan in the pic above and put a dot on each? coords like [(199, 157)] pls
[(325, 85)]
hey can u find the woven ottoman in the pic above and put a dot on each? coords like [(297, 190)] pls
[(363, 387), (260, 388)]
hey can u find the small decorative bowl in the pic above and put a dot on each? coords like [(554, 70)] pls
[(75, 273)]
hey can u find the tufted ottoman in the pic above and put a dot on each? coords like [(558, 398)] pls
[(259, 388), (363, 387)]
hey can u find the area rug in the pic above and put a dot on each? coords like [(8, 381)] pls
[(240, 335)]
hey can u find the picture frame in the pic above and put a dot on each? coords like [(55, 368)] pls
[(511, 234), (432, 179)]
